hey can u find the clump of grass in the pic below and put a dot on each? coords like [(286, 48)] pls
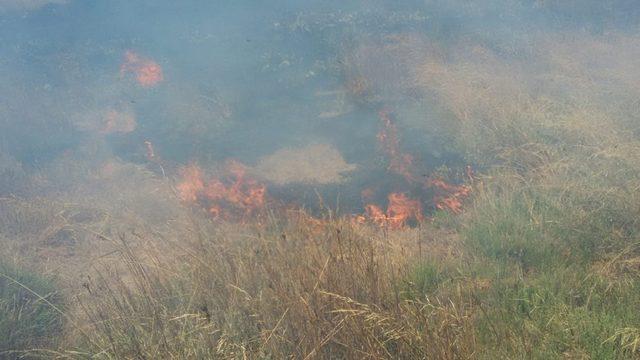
[(29, 314), (554, 216)]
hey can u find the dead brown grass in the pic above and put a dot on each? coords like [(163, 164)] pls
[(561, 179), (297, 289), (313, 164)]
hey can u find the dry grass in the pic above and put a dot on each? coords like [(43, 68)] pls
[(542, 264), (313, 164), (298, 289)]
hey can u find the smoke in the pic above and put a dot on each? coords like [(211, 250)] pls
[(294, 91), (27, 4)]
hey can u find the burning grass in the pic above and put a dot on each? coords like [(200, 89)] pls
[(531, 252), (400, 211), (234, 196)]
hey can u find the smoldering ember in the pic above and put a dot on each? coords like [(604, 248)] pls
[(355, 179)]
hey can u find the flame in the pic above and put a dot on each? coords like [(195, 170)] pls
[(191, 185), (449, 197), (234, 197), (147, 72), (399, 163), (375, 214), (400, 210)]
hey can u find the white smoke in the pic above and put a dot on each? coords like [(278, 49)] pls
[(27, 4)]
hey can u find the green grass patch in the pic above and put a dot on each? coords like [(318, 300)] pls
[(27, 319)]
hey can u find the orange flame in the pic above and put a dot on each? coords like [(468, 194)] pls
[(400, 210), (236, 197), (449, 197), (191, 185), (375, 214), (399, 163), (147, 72)]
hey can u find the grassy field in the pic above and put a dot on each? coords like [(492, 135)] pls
[(543, 263)]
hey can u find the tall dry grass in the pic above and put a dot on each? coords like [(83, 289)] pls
[(289, 289), (542, 264)]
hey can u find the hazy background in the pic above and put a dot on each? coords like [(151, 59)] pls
[(245, 79)]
